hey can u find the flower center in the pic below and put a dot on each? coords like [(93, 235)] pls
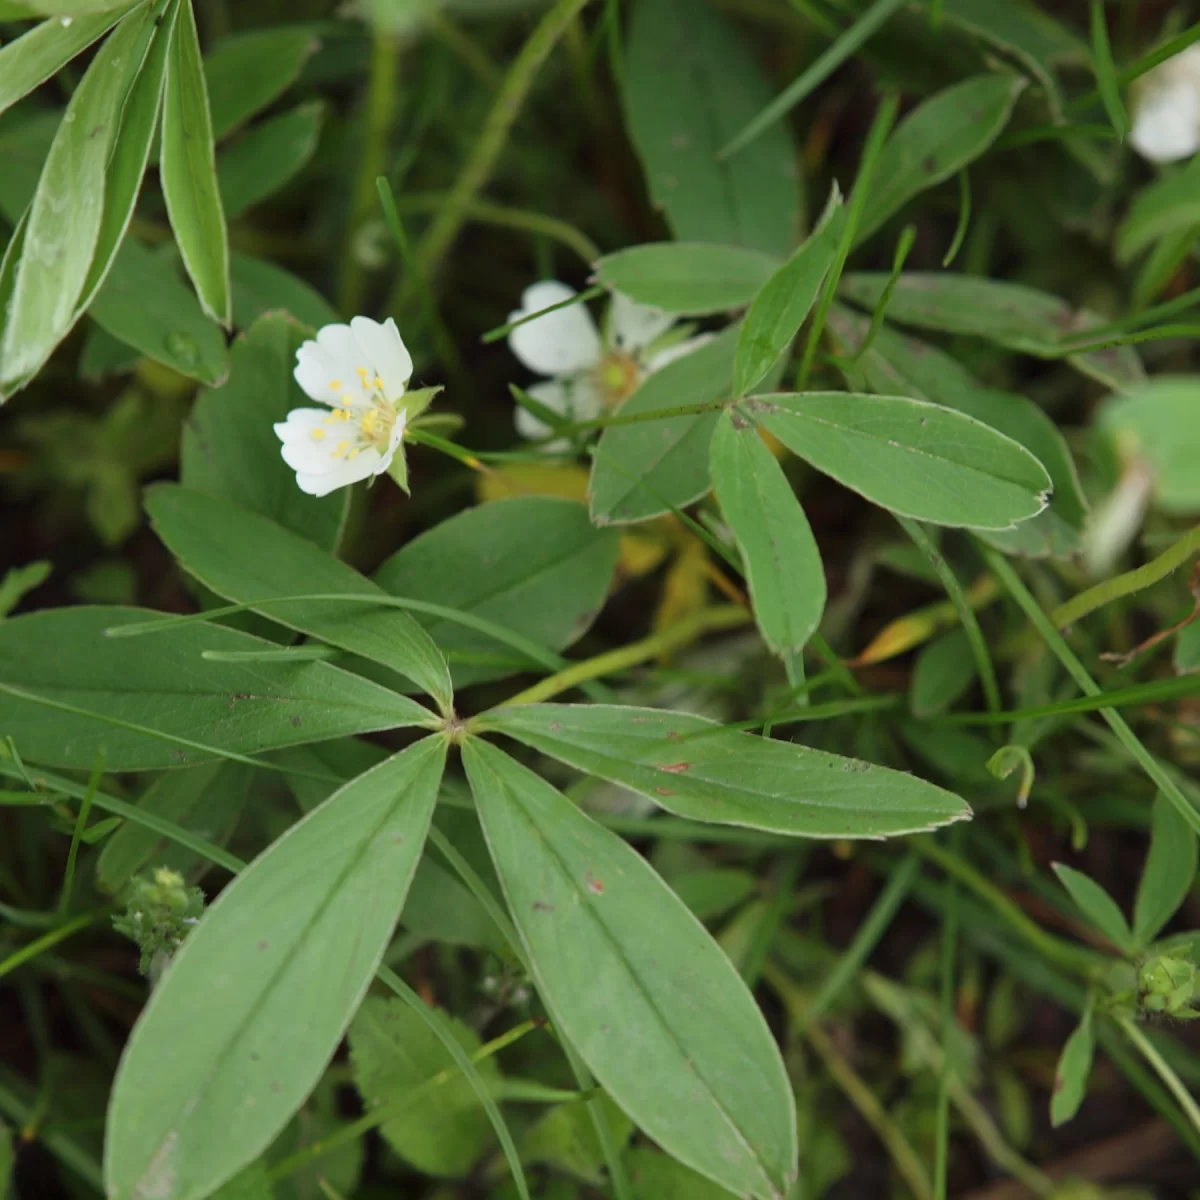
[(365, 419), (617, 377)]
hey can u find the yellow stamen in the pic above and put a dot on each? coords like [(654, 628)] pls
[(341, 449), (318, 435), (379, 383), (353, 454), (335, 385)]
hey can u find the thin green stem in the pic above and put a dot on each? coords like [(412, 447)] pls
[(85, 808), (873, 927), (493, 137), (941, 1142), (446, 1035), (962, 607), (729, 616), (1132, 743), (352, 1131), (1127, 584), (377, 127), (881, 126), (46, 941), (1076, 959), (1174, 1084)]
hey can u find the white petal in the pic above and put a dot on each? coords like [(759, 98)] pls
[(576, 398), (300, 450), (560, 343), (682, 350), (634, 326), (385, 352), (394, 441), (346, 473), (316, 371), (1166, 127)]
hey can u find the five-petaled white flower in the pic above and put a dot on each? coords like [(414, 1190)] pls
[(1166, 114), (590, 372), (360, 371)]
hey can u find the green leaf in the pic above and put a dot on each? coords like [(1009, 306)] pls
[(1074, 1067), (616, 957), (533, 564), (785, 299), (712, 891), (144, 304), (896, 365), (261, 286), (31, 59), (1156, 424), (639, 471), (25, 140), (18, 582), (565, 1139), (689, 278), (245, 557), (443, 910), (162, 705), (1187, 649), (441, 1130), (60, 238), (654, 1176), (694, 768), (7, 1158), (1010, 314), (1168, 874), (1169, 205), (1027, 33), (229, 447), (944, 671), (1096, 905), (689, 85), (909, 456), (266, 158), (782, 563), (248, 1015), (254, 1183), (936, 140), (207, 799), (189, 172), (249, 71), (126, 169)]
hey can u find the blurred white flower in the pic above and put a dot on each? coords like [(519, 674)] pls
[(589, 371), (360, 371), (1166, 112)]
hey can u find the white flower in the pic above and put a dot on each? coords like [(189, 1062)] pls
[(360, 371), (589, 371), (1166, 117)]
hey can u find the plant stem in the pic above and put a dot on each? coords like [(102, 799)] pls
[(729, 616), (491, 141), (1045, 626), (1072, 958), (963, 608), (1163, 1068), (380, 117)]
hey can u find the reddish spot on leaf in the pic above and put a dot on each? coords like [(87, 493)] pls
[(664, 792), (674, 768), (593, 884)]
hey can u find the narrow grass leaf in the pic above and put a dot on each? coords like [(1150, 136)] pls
[(32, 58), (937, 139), (695, 768), (783, 565), (615, 955), (1106, 71), (1097, 905), (189, 173), (240, 1028), (65, 214), (1168, 874), (1074, 1068)]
